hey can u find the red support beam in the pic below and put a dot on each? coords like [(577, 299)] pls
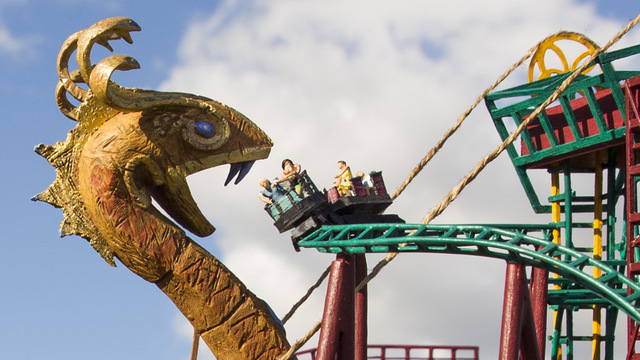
[(360, 309), (338, 322), (327, 344), (539, 297), (529, 342), (518, 334)]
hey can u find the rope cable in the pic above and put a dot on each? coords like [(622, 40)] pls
[(432, 153), (306, 296), (434, 150), (295, 347), (466, 114), (453, 194)]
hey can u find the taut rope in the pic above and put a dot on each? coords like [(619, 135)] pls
[(464, 116), (453, 194)]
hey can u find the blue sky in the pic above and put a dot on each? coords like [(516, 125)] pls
[(357, 73), (45, 319)]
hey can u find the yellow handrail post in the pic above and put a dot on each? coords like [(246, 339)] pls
[(555, 217), (597, 251)]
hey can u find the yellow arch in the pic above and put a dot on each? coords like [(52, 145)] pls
[(538, 58)]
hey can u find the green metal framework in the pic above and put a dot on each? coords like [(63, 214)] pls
[(536, 93), (590, 118), (512, 243), (566, 149)]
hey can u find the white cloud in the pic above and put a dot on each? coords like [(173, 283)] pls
[(376, 84), (11, 43)]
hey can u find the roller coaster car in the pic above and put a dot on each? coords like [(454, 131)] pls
[(302, 214)]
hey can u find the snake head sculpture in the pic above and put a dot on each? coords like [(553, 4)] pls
[(170, 143), (131, 146)]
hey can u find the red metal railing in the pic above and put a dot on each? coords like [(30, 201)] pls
[(410, 352)]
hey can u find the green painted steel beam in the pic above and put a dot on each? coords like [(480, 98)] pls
[(510, 106), (520, 243), (569, 147)]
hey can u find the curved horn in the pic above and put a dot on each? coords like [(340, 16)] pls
[(68, 47), (100, 83), (123, 98), (68, 109), (101, 32), (82, 42)]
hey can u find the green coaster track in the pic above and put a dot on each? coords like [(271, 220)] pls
[(571, 125), (512, 243)]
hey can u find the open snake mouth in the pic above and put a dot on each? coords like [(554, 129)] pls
[(174, 196), (132, 146), (209, 142)]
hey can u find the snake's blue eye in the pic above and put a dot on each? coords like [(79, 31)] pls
[(208, 132), (205, 129)]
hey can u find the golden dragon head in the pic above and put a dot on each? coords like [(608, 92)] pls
[(153, 140)]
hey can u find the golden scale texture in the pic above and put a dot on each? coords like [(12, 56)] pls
[(130, 145)]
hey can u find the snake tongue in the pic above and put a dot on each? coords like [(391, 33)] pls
[(238, 168), (175, 198)]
